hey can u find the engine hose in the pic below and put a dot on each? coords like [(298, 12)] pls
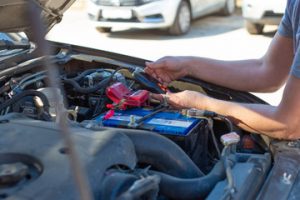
[(103, 84), (162, 154), (196, 188), (78, 88), (29, 82), (85, 73), (26, 93), (31, 77), (115, 183)]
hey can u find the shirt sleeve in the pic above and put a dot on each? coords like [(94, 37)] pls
[(296, 64), (285, 27)]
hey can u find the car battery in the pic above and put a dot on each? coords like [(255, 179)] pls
[(188, 133), (166, 123)]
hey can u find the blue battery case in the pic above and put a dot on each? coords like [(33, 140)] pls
[(169, 123)]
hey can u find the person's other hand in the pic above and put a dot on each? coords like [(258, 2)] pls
[(166, 69), (184, 99)]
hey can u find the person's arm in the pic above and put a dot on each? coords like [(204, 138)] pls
[(281, 122), (257, 75)]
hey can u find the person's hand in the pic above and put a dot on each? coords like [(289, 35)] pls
[(184, 99), (166, 69)]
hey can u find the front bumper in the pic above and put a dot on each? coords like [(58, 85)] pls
[(264, 12), (157, 14)]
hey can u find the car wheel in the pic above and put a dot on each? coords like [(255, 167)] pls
[(104, 29), (229, 7), (182, 22), (254, 28)]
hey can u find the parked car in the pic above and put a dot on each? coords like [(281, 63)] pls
[(174, 15), (122, 145), (257, 14)]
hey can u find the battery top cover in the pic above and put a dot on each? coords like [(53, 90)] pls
[(169, 122)]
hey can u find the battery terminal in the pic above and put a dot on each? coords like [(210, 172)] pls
[(132, 123)]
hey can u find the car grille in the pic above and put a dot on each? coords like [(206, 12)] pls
[(120, 2)]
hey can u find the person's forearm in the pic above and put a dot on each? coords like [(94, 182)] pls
[(263, 119), (238, 75)]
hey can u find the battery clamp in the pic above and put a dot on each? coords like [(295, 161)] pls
[(148, 82)]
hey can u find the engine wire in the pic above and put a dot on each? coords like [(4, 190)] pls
[(226, 120), (211, 129), (230, 189)]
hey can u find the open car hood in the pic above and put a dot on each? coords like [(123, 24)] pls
[(17, 10)]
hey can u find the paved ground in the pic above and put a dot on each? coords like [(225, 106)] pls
[(213, 36)]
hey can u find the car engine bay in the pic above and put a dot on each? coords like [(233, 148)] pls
[(131, 147), (81, 123)]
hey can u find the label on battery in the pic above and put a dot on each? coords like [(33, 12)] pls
[(168, 122)]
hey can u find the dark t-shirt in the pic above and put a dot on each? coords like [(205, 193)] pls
[(290, 27)]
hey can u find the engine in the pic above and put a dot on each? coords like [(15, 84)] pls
[(132, 146)]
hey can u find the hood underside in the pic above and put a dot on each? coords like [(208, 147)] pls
[(14, 14)]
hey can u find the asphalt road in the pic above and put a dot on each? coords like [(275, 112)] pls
[(212, 36)]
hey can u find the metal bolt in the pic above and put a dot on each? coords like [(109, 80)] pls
[(132, 122)]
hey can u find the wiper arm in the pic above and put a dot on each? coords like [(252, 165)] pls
[(11, 45)]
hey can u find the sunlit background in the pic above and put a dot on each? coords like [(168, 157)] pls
[(214, 36)]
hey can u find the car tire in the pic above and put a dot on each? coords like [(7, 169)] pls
[(104, 29), (254, 28), (228, 8), (182, 22)]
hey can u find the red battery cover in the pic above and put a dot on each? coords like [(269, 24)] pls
[(119, 92), (137, 98)]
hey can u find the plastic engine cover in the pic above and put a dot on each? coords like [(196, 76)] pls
[(39, 146)]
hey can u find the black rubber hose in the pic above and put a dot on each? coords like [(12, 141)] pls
[(83, 74), (26, 93), (196, 188), (102, 84), (163, 154), (115, 184)]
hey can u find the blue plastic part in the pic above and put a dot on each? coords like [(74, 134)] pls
[(169, 123)]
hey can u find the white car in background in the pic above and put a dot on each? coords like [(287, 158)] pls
[(259, 13), (174, 15)]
